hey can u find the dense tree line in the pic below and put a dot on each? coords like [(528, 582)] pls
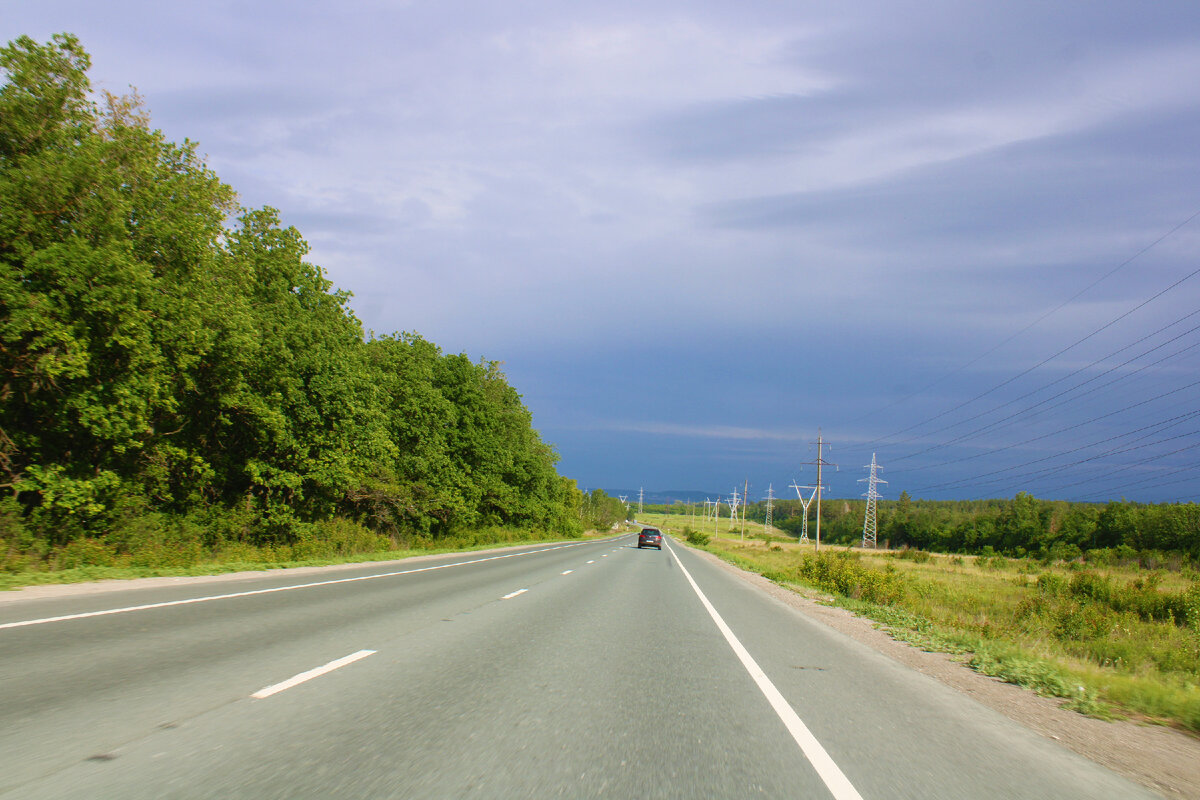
[(1019, 526), (164, 351), (601, 512)]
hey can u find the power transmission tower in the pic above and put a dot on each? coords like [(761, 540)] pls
[(820, 463), (624, 502), (641, 495), (770, 507), (869, 521), (733, 508), (804, 504)]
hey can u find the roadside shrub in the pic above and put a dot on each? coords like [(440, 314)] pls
[(1079, 622), (157, 540), (915, 554), (19, 548), (695, 537), (990, 559), (845, 574), (1191, 609), (1051, 583), (85, 553), (1091, 586), (337, 537)]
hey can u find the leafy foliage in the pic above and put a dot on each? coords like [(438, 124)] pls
[(1053, 530), (158, 362)]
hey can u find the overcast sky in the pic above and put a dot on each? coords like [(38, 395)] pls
[(696, 233)]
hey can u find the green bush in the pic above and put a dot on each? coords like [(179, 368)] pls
[(695, 537), (1051, 583), (845, 574)]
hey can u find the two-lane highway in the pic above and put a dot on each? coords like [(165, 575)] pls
[(588, 669)]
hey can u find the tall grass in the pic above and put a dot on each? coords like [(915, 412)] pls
[(155, 544)]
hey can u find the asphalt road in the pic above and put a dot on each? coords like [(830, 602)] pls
[(581, 670)]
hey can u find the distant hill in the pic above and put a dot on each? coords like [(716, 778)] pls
[(664, 497)]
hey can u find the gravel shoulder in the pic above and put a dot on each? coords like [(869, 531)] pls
[(1162, 759)]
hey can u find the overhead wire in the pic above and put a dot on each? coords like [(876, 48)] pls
[(1036, 322), (1008, 420), (1046, 360), (976, 478)]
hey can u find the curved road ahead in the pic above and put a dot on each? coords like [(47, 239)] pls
[(588, 669)]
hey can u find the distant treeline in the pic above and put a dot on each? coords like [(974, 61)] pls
[(1021, 526), (165, 352)]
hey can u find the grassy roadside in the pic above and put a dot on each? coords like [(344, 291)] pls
[(1112, 642), (245, 559)]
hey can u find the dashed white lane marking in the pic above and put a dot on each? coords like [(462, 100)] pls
[(312, 673), (838, 784), (511, 595), (593, 561), (231, 595), (568, 572)]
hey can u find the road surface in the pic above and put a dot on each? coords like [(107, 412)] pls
[(579, 670)]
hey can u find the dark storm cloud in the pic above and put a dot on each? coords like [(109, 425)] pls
[(699, 229)]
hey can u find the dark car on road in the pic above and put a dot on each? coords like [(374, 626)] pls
[(650, 537)]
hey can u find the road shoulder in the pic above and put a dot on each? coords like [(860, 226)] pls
[(1162, 759)]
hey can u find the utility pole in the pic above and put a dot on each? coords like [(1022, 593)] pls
[(716, 516), (745, 503), (641, 496), (820, 463), (869, 521)]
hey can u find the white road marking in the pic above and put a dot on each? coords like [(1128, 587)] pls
[(568, 572), (593, 561), (839, 785), (511, 595), (312, 673), (231, 595)]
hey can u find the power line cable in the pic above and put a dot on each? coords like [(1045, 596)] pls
[(985, 428), (1162, 425), (992, 427), (1149, 459), (1037, 321), (1044, 361)]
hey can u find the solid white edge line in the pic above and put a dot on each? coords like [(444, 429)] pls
[(511, 595), (836, 781), (190, 600), (312, 673)]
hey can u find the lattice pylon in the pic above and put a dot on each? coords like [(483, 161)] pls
[(870, 523), (770, 508)]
